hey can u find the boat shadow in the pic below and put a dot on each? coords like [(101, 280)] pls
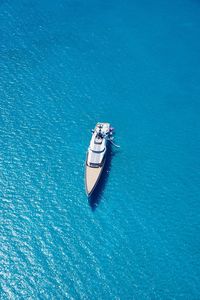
[(96, 196)]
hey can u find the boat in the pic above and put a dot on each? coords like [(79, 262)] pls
[(96, 155)]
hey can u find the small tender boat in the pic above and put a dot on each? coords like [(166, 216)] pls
[(96, 155)]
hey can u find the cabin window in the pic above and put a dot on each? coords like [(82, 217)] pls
[(97, 151), (94, 165)]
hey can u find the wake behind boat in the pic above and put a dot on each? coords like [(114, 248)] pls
[(96, 155)]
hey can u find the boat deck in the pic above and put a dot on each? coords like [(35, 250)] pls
[(92, 176)]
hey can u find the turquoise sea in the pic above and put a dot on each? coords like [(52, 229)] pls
[(65, 65)]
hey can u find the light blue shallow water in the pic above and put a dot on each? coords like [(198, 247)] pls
[(64, 66)]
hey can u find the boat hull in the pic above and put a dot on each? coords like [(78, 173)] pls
[(92, 176)]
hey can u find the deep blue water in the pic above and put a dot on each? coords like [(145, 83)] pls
[(64, 65)]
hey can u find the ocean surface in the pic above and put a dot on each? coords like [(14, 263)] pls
[(65, 65)]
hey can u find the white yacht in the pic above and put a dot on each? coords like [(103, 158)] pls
[(96, 155)]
